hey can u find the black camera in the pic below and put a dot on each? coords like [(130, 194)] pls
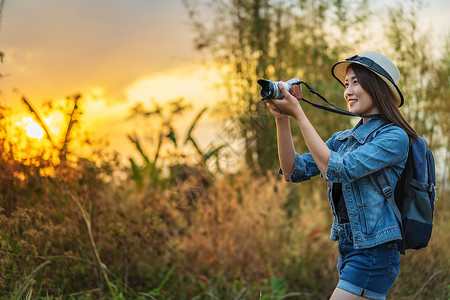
[(270, 89)]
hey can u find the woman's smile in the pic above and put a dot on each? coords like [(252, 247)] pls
[(351, 102)]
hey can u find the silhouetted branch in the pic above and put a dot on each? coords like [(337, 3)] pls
[(72, 121), (40, 121)]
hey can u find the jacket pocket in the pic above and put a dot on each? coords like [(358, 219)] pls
[(359, 207), (362, 219)]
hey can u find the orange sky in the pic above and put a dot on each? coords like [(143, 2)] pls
[(115, 53)]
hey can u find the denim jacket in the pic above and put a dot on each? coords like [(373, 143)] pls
[(371, 218)]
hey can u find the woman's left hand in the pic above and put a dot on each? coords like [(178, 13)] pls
[(289, 105)]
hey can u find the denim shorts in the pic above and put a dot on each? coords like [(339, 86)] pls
[(366, 272)]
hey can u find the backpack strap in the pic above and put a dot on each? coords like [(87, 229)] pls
[(382, 181), (423, 186)]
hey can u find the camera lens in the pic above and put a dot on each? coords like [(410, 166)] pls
[(269, 89)]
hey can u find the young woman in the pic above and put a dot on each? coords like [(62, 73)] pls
[(364, 224)]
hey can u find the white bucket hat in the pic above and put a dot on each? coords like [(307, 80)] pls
[(377, 63)]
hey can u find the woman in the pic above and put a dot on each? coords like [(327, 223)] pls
[(364, 224)]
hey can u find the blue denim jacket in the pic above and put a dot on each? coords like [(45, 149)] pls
[(371, 218)]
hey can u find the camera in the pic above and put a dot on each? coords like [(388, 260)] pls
[(270, 89)]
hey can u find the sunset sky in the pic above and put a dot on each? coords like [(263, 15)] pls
[(115, 53)]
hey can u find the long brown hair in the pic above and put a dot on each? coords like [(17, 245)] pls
[(382, 98)]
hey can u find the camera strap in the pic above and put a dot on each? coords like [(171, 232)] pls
[(334, 108)]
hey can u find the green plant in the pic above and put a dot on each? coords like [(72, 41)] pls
[(25, 287)]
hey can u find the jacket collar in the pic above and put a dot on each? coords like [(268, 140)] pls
[(362, 130)]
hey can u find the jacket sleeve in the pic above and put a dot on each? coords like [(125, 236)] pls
[(388, 148), (305, 167)]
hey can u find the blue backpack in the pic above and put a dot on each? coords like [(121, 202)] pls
[(414, 195)]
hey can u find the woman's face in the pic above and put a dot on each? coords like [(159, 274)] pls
[(359, 101)]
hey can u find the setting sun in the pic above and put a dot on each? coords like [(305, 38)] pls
[(33, 129)]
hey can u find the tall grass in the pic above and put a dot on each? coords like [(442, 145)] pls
[(235, 240), (80, 232)]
